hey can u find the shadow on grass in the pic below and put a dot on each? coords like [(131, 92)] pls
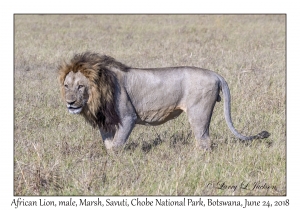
[(145, 146), (244, 143), (176, 140), (180, 138)]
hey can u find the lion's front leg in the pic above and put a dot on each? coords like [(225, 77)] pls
[(119, 137), (107, 138)]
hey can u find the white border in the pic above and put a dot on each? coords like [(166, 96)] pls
[(153, 6)]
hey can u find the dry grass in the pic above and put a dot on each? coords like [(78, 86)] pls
[(56, 153)]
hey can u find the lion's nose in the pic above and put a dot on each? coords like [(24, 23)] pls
[(70, 102)]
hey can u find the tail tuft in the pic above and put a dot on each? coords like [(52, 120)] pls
[(262, 135)]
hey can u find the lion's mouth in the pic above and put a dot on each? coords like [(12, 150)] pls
[(75, 110)]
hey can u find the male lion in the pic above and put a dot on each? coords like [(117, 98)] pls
[(115, 97)]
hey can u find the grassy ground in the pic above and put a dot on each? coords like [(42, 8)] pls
[(56, 153)]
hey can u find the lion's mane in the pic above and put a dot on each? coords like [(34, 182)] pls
[(101, 108)]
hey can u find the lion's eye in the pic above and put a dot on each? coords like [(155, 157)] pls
[(80, 86), (66, 86)]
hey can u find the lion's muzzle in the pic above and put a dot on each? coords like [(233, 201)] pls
[(74, 110)]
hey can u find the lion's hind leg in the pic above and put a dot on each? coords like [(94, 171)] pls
[(201, 133), (199, 117)]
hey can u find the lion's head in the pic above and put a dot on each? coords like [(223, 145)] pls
[(88, 88)]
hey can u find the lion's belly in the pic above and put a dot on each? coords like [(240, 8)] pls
[(157, 117)]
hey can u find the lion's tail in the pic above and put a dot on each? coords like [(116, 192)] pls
[(227, 113)]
